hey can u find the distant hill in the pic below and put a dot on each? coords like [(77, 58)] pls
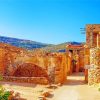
[(60, 47), (27, 44)]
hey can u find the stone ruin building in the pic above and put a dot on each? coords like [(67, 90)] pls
[(20, 65), (93, 49), (86, 57)]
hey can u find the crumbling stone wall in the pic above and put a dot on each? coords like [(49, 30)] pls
[(60, 69), (55, 65), (13, 59), (94, 71), (93, 43)]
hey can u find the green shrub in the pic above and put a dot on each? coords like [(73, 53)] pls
[(4, 94), (99, 89)]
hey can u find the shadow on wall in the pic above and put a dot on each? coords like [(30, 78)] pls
[(30, 70)]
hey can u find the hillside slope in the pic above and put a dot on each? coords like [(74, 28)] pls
[(27, 44), (60, 47)]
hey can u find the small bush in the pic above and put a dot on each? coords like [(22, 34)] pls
[(4, 95), (99, 89)]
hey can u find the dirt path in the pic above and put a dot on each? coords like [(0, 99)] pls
[(76, 89), (73, 89)]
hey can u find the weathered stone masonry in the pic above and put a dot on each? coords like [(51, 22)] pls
[(93, 43), (19, 65)]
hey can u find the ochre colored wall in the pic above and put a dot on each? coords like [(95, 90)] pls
[(11, 59), (2, 61), (93, 29)]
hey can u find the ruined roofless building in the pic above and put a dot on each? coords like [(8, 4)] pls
[(93, 45), (75, 55)]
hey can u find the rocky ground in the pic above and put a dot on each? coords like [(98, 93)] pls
[(73, 89)]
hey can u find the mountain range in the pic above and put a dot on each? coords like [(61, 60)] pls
[(28, 44)]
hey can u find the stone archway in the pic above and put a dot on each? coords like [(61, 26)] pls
[(30, 70)]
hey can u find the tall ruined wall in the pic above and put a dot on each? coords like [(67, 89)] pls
[(61, 69), (6, 61), (92, 30), (8, 54), (94, 71), (93, 42)]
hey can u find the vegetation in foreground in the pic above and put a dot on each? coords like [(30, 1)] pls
[(4, 95)]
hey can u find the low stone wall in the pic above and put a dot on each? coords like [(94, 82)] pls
[(34, 80), (94, 71)]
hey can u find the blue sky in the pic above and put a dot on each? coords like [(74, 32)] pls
[(48, 21)]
